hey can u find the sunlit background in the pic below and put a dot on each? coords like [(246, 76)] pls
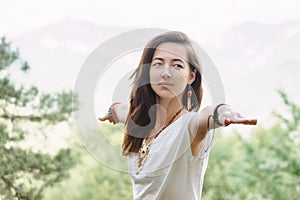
[(254, 44), (241, 37)]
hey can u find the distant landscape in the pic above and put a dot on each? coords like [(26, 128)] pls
[(254, 60), (43, 159)]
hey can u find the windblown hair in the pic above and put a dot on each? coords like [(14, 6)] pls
[(141, 119)]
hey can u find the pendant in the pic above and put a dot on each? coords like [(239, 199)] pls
[(142, 156), (144, 150)]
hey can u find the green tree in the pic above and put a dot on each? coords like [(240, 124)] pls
[(26, 172), (264, 166), (93, 180)]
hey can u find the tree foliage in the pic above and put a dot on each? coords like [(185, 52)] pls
[(26, 171), (93, 180), (264, 166)]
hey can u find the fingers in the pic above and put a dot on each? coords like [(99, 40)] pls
[(228, 121), (111, 120), (102, 118), (106, 117)]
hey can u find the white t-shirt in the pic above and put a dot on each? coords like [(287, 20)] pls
[(170, 171)]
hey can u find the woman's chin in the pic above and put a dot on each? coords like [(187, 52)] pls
[(168, 95)]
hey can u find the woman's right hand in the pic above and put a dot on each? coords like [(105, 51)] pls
[(109, 118), (111, 114)]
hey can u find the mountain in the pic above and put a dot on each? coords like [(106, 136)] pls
[(56, 52), (253, 59)]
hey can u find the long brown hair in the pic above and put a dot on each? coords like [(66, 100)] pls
[(141, 119)]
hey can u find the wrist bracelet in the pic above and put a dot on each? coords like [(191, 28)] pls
[(216, 115), (210, 116), (111, 111)]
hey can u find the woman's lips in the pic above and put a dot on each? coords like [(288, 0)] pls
[(165, 84)]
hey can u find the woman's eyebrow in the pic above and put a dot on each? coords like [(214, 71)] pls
[(178, 59), (157, 58), (174, 60)]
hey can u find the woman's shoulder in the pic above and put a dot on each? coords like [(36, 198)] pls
[(184, 119), (187, 117)]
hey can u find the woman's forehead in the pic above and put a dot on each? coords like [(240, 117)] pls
[(172, 50)]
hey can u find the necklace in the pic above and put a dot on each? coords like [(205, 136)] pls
[(144, 150)]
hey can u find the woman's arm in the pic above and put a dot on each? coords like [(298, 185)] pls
[(210, 118), (121, 111), (117, 113), (198, 127)]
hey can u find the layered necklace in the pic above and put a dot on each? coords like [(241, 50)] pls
[(145, 148)]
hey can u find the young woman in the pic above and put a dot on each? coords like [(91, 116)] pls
[(167, 138)]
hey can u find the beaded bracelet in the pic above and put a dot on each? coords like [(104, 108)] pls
[(111, 113), (216, 115)]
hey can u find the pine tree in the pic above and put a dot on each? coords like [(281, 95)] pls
[(25, 172)]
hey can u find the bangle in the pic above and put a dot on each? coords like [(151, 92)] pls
[(111, 111), (210, 116), (208, 119), (216, 115)]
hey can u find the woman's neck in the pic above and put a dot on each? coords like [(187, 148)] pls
[(166, 110)]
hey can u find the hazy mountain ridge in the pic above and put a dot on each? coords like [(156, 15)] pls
[(256, 44), (56, 52), (254, 59)]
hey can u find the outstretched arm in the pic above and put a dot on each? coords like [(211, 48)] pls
[(210, 118), (117, 114), (227, 116)]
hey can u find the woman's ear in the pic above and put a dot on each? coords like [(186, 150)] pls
[(192, 77)]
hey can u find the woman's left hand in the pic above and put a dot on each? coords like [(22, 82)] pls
[(227, 116)]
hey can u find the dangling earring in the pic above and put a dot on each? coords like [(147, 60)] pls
[(189, 98)]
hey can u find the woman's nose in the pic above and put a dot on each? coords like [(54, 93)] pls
[(166, 72)]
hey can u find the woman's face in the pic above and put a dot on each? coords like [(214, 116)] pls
[(170, 71)]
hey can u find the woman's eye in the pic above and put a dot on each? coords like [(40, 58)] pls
[(156, 64), (178, 66)]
